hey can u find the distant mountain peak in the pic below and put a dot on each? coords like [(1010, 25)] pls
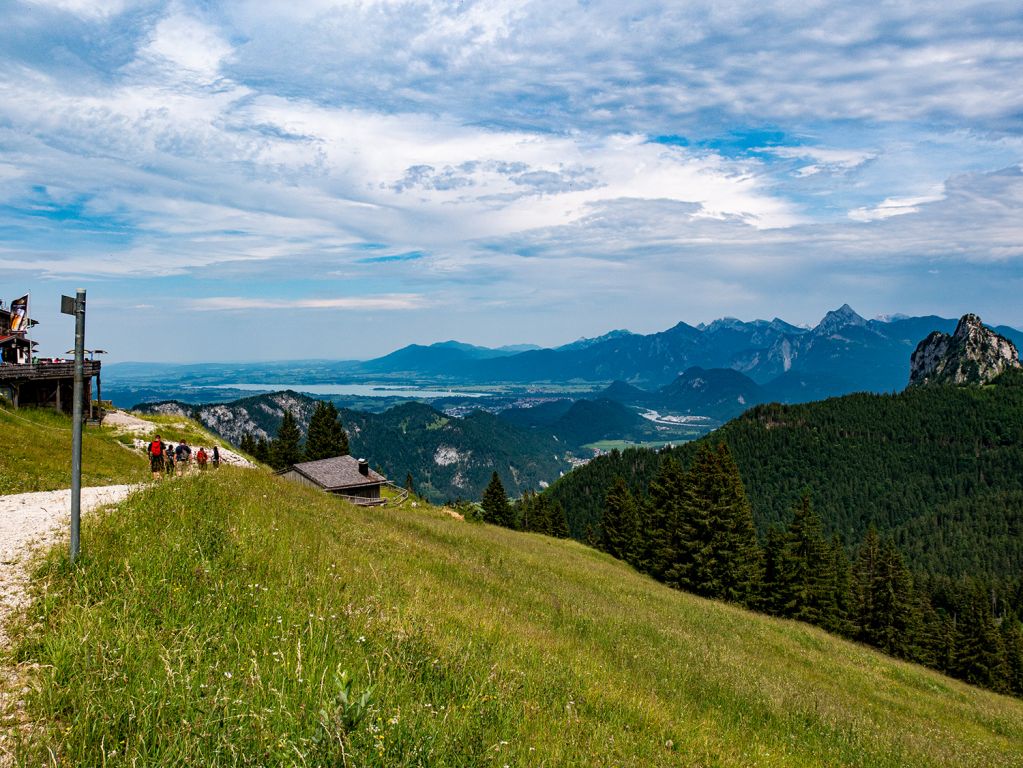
[(836, 319), (891, 318), (974, 354), (582, 343)]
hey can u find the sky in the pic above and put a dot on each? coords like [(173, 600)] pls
[(261, 180)]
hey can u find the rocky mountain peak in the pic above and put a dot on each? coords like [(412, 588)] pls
[(973, 354), (837, 319)]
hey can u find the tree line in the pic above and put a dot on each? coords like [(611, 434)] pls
[(693, 529), (325, 438), (534, 512), (934, 468)]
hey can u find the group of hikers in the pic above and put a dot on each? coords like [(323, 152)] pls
[(165, 457)]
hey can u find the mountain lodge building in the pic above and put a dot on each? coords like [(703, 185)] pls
[(27, 380), (343, 476)]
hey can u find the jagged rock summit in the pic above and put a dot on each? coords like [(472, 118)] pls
[(973, 354)]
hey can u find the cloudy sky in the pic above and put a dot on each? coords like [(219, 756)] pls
[(265, 180)]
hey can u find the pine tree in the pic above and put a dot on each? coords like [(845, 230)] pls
[(736, 565), (659, 521), (496, 509), (262, 451), (326, 437), (808, 594), (532, 513), (840, 622), (285, 449), (248, 444), (886, 610), (618, 523), (559, 522), (1012, 640), (409, 485), (980, 656), (774, 587)]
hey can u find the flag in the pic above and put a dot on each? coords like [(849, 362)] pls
[(19, 314)]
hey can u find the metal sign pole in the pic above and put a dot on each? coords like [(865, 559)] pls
[(76, 416)]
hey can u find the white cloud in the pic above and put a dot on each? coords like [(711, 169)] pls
[(186, 45), (894, 206)]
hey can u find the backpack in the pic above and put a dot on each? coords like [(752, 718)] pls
[(156, 448)]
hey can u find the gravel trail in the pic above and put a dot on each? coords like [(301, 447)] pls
[(29, 521)]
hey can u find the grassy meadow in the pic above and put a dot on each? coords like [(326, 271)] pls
[(234, 619), (35, 453)]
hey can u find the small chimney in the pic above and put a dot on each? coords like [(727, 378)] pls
[(363, 467)]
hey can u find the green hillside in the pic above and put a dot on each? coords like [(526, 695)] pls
[(235, 619), (35, 453), (936, 468)]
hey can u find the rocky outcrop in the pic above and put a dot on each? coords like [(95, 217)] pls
[(973, 354)]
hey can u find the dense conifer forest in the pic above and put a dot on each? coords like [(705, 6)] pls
[(896, 520)]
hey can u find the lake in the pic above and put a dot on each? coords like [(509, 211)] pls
[(356, 390)]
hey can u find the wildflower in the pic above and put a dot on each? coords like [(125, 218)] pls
[(362, 638), (227, 675)]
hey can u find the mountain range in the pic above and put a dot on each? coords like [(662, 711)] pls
[(843, 353)]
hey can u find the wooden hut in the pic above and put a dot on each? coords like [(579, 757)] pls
[(344, 476)]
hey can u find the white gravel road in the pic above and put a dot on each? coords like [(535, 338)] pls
[(29, 521)]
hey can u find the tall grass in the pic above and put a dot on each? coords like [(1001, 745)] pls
[(35, 453), (234, 619)]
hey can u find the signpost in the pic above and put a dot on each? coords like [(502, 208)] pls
[(76, 307)]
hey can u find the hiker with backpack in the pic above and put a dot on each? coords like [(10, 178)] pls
[(168, 461), (156, 451), (200, 458), (216, 457), (183, 455)]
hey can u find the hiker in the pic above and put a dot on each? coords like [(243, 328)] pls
[(156, 450), (168, 460), (183, 455), (216, 457), (200, 458)]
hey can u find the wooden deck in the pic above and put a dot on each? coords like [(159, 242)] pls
[(49, 385), (45, 371)]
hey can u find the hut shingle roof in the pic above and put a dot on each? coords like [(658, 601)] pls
[(338, 472)]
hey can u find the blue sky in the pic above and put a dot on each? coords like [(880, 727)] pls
[(269, 180)]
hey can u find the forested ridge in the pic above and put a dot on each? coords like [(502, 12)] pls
[(894, 520), (937, 469)]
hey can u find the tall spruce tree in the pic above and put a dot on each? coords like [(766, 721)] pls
[(618, 523), (286, 449), (559, 521), (774, 587), (326, 437), (980, 656), (1012, 641), (658, 552), (496, 508), (248, 444), (886, 611), (262, 451), (808, 594)]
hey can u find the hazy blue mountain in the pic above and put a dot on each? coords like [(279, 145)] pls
[(843, 353), (442, 358), (583, 343), (719, 393)]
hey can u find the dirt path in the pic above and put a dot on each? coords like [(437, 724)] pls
[(29, 521)]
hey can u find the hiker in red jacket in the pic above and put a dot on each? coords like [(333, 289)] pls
[(156, 450)]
